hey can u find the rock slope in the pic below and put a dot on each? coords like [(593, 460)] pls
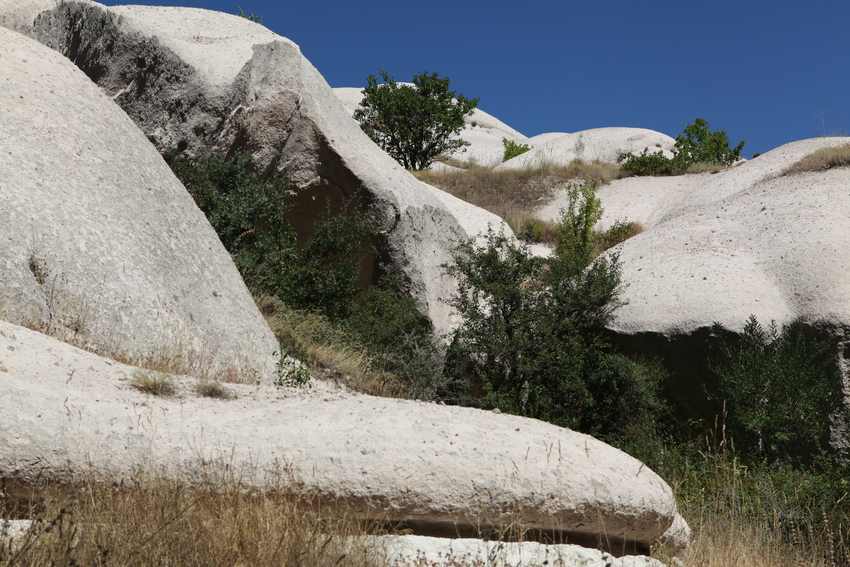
[(197, 81), (598, 144), (101, 244), (748, 240), (65, 412)]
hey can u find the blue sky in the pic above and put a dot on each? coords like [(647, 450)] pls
[(767, 72)]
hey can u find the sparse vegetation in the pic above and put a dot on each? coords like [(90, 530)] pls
[(414, 123), (513, 149), (153, 383), (148, 521), (516, 193), (822, 160), (698, 149), (213, 389), (249, 16)]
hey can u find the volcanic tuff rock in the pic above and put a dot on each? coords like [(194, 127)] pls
[(101, 244), (64, 411), (197, 81), (598, 144)]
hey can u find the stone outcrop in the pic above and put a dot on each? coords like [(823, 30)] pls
[(66, 412), (101, 244), (414, 551), (598, 144), (197, 81)]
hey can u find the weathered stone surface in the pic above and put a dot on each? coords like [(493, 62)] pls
[(598, 144), (196, 81), (101, 244), (483, 132), (64, 412), (749, 240), (415, 551)]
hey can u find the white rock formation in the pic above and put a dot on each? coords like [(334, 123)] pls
[(416, 551), (195, 80), (65, 412), (598, 144), (545, 137), (748, 240), (483, 132), (101, 242)]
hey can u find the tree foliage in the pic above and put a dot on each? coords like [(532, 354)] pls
[(414, 123), (532, 338), (513, 149), (697, 144)]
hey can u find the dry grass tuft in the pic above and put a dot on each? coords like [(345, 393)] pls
[(154, 383), (153, 522), (212, 389), (706, 167), (512, 193), (822, 160), (327, 349)]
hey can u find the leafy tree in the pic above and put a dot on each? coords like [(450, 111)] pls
[(697, 144), (532, 338), (414, 123), (782, 390), (513, 149)]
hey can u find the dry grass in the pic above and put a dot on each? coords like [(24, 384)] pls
[(152, 522), (705, 167), (327, 350), (212, 389), (822, 160), (153, 383), (512, 193)]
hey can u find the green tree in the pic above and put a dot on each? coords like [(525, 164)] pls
[(414, 123), (532, 338)]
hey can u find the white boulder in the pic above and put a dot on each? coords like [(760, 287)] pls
[(196, 80), (598, 144), (65, 412), (101, 244), (416, 551), (748, 240)]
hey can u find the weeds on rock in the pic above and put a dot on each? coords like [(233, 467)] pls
[(153, 383)]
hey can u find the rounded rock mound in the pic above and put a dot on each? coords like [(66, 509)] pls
[(598, 144), (102, 245), (434, 467)]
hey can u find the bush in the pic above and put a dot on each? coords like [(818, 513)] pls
[(532, 337), (248, 212), (697, 146), (822, 160), (513, 149), (782, 391), (414, 123)]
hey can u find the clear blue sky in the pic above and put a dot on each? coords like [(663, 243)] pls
[(766, 71)]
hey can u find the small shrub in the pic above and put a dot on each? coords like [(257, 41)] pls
[(513, 149), (250, 16), (696, 147), (647, 163), (782, 391), (213, 389), (532, 337), (618, 232), (292, 373), (153, 383), (822, 160), (414, 123), (532, 229)]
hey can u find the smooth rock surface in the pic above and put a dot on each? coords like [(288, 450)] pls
[(417, 551), (748, 240), (483, 132), (101, 244), (598, 144), (196, 81), (66, 412)]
